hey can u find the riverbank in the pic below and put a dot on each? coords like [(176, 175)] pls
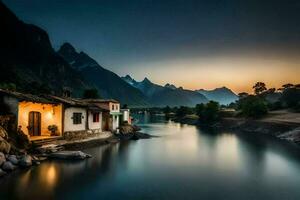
[(62, 149), (281, 124)]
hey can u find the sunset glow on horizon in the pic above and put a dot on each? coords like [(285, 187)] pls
[(238, 74)]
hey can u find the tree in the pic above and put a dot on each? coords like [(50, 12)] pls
[(167, 110), (183, 111), (259, 88), (91, 94), (208, 113), (199, 109), (243, 95), (291, 97), (253, 106)]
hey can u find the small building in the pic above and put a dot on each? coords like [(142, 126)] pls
[(80, 115), (36, 116), (111, 113)]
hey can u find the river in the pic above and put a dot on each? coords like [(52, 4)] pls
[(183, 163)]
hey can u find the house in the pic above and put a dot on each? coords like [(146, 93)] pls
[(111, 113), (80, 115), (36, 116)]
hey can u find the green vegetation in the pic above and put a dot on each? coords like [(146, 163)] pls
[(252, 106), (209, 112), (183, 111)]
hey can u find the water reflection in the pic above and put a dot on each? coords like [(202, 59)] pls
[(185, 162)]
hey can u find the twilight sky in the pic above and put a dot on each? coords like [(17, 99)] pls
[(191, 43)]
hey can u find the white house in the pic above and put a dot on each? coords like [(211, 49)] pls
[(110, 113), (80, 115)]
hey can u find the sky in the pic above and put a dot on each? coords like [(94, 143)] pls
[(190, 43)]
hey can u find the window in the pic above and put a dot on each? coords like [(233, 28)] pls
[(116, 107), (77, 118), (113, 107), (95, 117)]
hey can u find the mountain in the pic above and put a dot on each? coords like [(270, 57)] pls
[(222, 95), (171, 86), (162, 96), (109, 84), (29, 61)]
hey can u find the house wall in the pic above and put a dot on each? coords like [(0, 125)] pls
[(50, 115), (95, 125), (126, 115), (68, 120), (115, 122), (116, 107)]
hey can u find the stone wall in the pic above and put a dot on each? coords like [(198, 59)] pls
[(79, 135)]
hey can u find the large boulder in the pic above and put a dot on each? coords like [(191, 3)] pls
[(2, 158), (8, 166), (13, 159), (25, 161), (4, 145)]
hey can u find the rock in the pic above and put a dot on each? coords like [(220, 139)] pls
[(8, 166), (126, 129), (4, 146), (25, 161), (69, 155), (2, 173), (3, 133), (2, 158), (13, 159)]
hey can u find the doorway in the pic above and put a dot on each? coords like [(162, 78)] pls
[(34, 124)]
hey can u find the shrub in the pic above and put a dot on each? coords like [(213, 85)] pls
[(209, 112), (253, 106)]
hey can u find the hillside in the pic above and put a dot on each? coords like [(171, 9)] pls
[(162, 96), (222, 95), (29, 61), (109, 84)]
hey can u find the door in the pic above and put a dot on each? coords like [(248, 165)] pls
[(34, 123)]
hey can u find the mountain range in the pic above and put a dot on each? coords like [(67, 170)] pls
[(163, 95), (29, 62)]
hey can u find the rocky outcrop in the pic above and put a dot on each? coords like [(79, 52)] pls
[(293, 135), (128, 129)]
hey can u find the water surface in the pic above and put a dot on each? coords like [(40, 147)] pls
[(183, 163)]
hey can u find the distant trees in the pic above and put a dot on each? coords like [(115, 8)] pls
[(90, 94), (291, 96), (209, 112), (183, 111), (252, 106), (167, 110), (259, 88)]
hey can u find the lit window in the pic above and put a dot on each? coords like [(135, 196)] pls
[(95, 117), (77, 118)]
